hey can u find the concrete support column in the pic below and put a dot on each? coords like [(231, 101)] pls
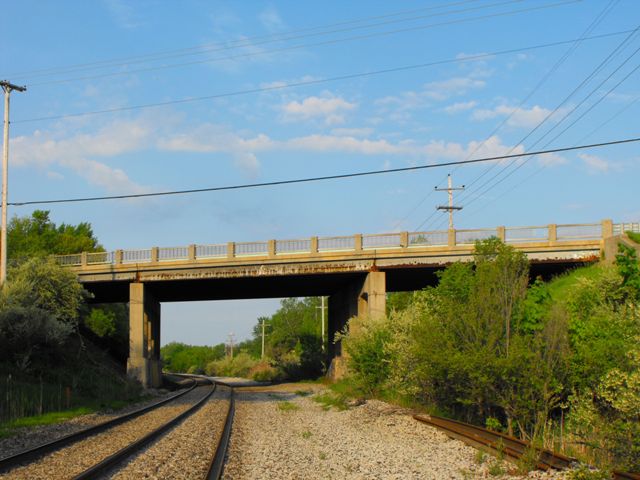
[(144, 337), (365, 297)]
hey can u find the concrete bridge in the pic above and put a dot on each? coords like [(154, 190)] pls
[(355, 272)]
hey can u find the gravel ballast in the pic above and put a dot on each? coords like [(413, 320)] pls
[(74, 459), (30, 437), (185, 452), (282, 435)]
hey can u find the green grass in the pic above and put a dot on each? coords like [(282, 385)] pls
[(303, 393), (8, 428), (560, 286), (633, 236), (331, 399), (287, 407), (306, 434)]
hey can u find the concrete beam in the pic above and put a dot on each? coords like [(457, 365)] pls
[(365, 298), (144, 337)]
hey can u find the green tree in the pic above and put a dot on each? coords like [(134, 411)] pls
[(39, 236), (39, 309)]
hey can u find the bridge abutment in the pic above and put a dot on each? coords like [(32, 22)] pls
[(144, 336), (366, 297)]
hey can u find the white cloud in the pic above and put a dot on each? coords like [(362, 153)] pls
[(519, 117), (270, 19), (431, 92), (456, 86), (330, 108), (123, 13), (214, 138), (595, 165), (459, 107), (352, 132), (55, 175), (78, 153)]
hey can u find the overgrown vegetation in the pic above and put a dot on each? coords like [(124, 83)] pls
[(49, 360), (293, 348), (557, 363)]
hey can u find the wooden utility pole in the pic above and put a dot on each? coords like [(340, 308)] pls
[(8, 88), (450, 208), (262, 321), (231, 343), (321, 307)]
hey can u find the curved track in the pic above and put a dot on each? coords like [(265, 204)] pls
[(110, 463)]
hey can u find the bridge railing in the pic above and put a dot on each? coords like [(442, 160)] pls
[(354, 243), (620, 228)]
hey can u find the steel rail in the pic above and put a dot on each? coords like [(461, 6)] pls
[(114, 459), (217, 462), (513, 448), (36, 452)]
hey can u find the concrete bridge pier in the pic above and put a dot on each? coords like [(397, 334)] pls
[(144, 336), (365, 297)]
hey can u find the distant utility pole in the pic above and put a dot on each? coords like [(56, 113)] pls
[(322, 307), (450, 208), (231, 343), (7, 87), (262, 320), (321, 319)]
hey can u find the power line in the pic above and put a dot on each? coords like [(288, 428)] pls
[(329, 177), (207, 47), (574, 46), (245, 44), (322, 43), (607, 9), (315, 81), (543, 166), (601, 65)]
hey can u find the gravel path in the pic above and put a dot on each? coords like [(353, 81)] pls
[(280, 435), (29, 437), (74, 459), (186, 451)]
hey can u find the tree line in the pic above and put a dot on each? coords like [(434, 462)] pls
[(554, 362)]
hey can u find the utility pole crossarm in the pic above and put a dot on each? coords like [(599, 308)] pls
[(8, 87), (450, 208)]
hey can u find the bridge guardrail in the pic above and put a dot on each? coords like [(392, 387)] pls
[(620, 228), (441, 238)]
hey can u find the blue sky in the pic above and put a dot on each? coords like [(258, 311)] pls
[(77, 57)]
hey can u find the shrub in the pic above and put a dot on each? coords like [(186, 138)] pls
[(263, 372), (238, 366)]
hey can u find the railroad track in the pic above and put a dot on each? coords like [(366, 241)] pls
[(112, 444), (512, 448)]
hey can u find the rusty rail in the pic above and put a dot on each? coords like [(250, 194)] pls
[(513, 448)]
